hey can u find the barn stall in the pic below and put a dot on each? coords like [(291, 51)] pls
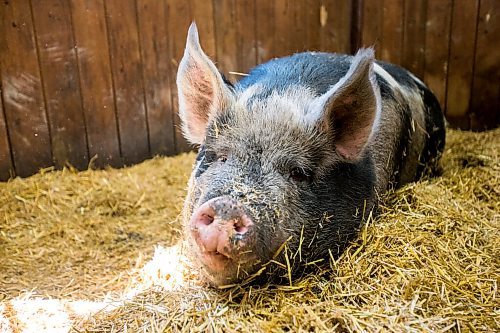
[(92, 84)]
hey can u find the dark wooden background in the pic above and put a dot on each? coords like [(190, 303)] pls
[(93, 81)]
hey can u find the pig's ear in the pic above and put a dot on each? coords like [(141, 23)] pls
[(350, 109), (201, 89)]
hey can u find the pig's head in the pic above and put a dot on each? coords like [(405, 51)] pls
[(281, 175)]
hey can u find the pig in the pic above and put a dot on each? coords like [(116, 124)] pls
[(294, 157)]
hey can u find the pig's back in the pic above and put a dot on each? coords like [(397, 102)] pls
[(316, 70), (410, 133)]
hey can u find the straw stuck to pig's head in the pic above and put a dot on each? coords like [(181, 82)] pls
[(281, 172)]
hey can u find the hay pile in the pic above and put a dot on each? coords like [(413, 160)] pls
[(76, 235), (430, 262)]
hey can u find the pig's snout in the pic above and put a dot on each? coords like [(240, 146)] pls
[(222, 230)]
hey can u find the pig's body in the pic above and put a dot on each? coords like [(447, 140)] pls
[(294, 157)]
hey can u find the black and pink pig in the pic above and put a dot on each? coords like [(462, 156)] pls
[(295, 156)]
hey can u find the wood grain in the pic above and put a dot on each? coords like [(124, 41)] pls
[(437, 38), (335, 25), (226, 36), (178, 20), (246, 54), (22, 92), (312, 25), (371, 28), (265, 25), (485, 102), (391, 48), (284, 20), (202, 13), (89, 25), (461, 61), (298, 30), (126, 66), (414, 36), (6, 165), (61, 82), (156, 73)]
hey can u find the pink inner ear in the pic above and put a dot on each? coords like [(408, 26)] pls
[(353, 124), (350, 147), (351, 107), (201, 97), (348, 101)]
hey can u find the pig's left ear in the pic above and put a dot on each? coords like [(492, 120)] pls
[(201, 89), (348, 111)]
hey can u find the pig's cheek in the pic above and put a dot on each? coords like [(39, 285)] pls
[(195, 191), (266, 243)]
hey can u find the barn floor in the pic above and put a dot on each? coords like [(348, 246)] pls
[(429, 263)]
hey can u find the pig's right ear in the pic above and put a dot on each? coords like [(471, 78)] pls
[(201, 89)]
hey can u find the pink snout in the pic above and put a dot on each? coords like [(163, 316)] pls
[(221, 230)]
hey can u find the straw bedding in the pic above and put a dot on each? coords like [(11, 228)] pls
[(430, 262)]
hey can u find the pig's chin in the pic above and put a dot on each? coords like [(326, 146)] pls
[(220, 270)]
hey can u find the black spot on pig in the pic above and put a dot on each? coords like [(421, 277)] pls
[(435, 129)]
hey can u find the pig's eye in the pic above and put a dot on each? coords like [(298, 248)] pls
[(299, 175), (211, 157)]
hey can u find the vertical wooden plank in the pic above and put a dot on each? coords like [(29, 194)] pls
[(22, 89), (312, 25), (246, 39), (461, 61), (127, 77), (178, 21), (284, 20), (485, 102), (6, 163), (89, 26), (156, 71), (6, 166), (371, 25), (202, 13), (335, 25), (298, 30), (437, 39), (226, 36), (392, 31), (356, 25), (414, 36), (52, 21), (265, 30)]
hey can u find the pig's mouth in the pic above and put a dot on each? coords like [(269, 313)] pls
[(222, 269), (216, 261)]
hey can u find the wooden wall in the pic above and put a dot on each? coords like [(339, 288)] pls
[(93, 81)]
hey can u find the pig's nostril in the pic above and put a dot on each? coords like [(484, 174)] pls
[(205, 219), (240, 227)]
